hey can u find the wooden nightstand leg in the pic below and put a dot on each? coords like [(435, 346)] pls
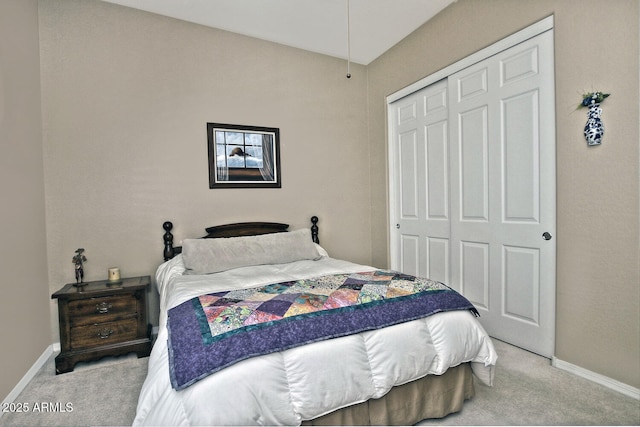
[(64, 365), (144, 353)]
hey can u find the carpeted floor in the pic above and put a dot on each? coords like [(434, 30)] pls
[(101, 393), (527, 391)]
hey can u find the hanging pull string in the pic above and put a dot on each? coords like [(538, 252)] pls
[(348, 43)]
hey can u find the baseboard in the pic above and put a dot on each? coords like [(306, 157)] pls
[(616, 385), (31, 373)]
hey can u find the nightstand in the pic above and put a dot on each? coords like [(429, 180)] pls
[(102, 318)]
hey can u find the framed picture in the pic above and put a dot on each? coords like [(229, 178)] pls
[(243, 156)]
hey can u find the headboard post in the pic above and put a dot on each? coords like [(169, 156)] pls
[(314, 229), (168, 240)]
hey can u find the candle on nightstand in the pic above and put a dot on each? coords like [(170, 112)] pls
[(114, 274)]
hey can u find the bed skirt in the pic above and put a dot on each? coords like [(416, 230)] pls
[(430, 397)]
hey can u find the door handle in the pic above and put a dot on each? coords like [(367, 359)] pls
[(398, 226), (546, 235)]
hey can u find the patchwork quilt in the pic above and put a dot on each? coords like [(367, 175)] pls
[(213, 331)]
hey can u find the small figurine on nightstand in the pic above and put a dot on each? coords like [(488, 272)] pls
[(78, 259)]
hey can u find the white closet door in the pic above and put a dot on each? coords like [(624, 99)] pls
[(472, 169), (421, 232), (503, 192)]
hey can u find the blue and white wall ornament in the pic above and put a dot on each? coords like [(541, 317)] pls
[(594, 129)]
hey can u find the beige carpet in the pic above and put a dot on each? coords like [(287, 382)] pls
[(101, 393), (527, 391)]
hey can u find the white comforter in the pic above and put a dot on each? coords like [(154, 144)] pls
[(306, 382)]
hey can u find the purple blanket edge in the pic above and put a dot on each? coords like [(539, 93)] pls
[(190, 360)]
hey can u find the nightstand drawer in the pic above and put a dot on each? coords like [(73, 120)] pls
[(101, 309), (104, 333)]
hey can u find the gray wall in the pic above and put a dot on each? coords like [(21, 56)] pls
[(24, 305), (126, 96)]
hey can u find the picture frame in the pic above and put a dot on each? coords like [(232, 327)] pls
[(243, 156)]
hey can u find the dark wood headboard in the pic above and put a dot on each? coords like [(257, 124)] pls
[(233, 230)]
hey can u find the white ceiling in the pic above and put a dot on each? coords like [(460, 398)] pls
[(315, 25)]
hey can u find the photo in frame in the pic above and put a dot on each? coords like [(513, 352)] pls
[(243, 156)]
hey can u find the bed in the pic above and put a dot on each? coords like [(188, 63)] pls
[(364, 364)]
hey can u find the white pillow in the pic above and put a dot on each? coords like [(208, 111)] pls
[(204, 256)]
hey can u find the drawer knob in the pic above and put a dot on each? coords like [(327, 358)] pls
[(103, 307), (105, 333)]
